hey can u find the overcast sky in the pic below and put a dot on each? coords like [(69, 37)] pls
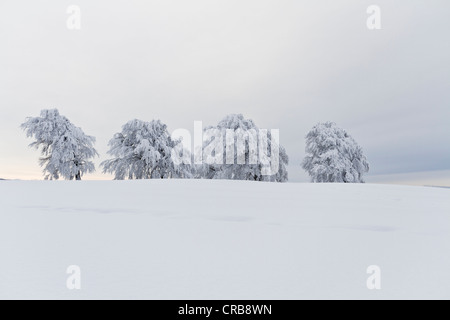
[(286, 64)]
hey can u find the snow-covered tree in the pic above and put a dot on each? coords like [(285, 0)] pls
[(333, 155), (143, 151), (238, 152), (65, 149)]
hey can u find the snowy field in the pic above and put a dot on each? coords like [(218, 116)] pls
[(188, 239)]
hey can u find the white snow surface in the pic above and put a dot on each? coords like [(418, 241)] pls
[(208, 239)]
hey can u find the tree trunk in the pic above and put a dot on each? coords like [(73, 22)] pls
[(78, 176)]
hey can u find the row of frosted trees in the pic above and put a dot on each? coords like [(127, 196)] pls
[(144, 150)]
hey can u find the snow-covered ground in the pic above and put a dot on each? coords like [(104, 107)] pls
[(185, 239)]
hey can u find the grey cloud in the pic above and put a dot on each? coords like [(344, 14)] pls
[(286, 64)]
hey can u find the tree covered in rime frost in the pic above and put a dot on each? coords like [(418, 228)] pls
[(333, 155), (143, 151), (65, 149), (241, 152)]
